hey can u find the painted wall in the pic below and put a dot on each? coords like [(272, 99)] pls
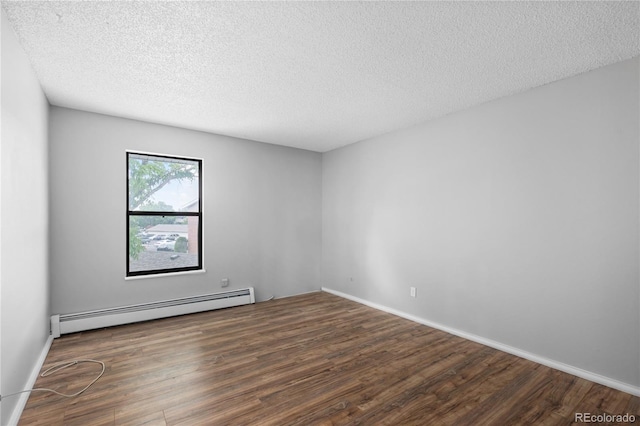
[(261, 213), (23, 220), (517, 221)]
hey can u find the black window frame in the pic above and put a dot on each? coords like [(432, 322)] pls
[(198, 214)]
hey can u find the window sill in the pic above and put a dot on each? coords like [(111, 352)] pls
[(169, 274)]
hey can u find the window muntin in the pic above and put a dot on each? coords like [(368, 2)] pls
[(164, 215)]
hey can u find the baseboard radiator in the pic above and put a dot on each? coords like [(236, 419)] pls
[(71, 323)]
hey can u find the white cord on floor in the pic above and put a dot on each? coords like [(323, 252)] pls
[(56, 368)]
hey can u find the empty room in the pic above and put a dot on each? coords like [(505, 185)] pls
[(336, 213)]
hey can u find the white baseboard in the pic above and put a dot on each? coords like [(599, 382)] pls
[(109, 317), (594, 377), (23, 398), (294, 295)]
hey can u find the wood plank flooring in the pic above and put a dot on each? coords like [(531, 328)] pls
[(314, 359)]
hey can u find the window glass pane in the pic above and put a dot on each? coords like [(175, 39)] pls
[(163, 242), (163, 184)]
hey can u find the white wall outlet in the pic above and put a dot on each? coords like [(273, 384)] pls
[(414, 292), (225, 282)]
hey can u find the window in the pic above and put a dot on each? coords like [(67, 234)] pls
[(164, 214)]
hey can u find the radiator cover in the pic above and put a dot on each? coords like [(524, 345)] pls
[(71, 323)]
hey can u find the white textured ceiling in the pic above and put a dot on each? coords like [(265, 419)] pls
[(313, 75)]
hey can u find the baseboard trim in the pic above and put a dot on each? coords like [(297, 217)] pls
[(587, 375), (23, 398)]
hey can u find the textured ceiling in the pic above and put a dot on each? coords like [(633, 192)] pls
[(313, 75)]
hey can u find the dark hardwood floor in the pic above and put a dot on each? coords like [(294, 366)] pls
[(304, 360)]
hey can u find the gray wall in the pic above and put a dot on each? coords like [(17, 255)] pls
[(516, 220), (261, 213), (24, 227)]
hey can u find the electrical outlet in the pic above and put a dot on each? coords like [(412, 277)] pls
[(414, 292), (225, 282)]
